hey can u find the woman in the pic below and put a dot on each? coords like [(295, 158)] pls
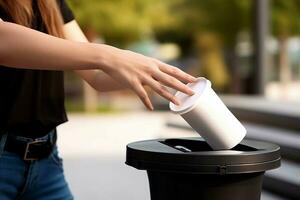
[(32, 95)]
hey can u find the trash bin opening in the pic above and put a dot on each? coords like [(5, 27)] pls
[(185, 145)]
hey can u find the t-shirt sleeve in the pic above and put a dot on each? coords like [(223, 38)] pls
[(3, 15), (66, 11)]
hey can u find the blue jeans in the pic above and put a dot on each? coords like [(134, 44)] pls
[(32, 180)]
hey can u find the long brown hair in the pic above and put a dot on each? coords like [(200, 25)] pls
[(22, 13)]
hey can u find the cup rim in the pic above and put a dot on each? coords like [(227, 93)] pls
[(177, 110)]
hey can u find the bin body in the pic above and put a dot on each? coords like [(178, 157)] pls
[(180, 186), (188, 169)]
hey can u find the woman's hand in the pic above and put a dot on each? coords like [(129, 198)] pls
[(130, 69), (135, 70)]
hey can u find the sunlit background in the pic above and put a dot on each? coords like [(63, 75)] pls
[(249, 49)]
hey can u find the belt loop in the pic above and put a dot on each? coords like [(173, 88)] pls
[(2, 142), (51, 134)]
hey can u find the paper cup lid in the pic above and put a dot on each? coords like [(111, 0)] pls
[(189, 102)]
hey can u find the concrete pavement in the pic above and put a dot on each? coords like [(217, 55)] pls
[(94, 149)]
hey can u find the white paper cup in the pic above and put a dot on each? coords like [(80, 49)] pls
[(208, 115)]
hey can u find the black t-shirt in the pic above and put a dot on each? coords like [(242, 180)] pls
[(32, 101)]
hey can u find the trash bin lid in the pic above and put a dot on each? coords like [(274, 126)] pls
[(194, 155)]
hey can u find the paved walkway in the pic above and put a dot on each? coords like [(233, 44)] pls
[(94, 148)]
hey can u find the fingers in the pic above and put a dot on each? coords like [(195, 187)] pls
[(162, 90), (141, 92), (177, 73), (173, 83)]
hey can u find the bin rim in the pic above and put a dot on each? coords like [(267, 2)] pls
[(156, 156)]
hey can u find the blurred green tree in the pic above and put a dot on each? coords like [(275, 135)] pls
[(224, 20), (121, 22)]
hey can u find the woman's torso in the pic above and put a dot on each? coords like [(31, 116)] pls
[(32, 101)]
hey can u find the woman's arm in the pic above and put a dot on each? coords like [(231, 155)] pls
[(22, 47), (95, 78), (35, 50)]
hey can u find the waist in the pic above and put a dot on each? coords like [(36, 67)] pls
[(29, 148)]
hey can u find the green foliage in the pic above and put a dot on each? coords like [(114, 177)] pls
[(224, 17), (77, 106), (285, 17), (123, 21)]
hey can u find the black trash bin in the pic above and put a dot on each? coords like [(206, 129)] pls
[(188, 169)]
